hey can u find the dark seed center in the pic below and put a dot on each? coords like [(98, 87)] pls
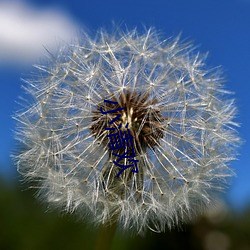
[(145, 122)]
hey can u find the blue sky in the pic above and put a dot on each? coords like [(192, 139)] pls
[(221, 27)]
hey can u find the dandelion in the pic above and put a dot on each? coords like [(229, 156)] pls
[(180, 118)]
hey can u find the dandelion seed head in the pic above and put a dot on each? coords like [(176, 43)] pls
[(180, 117)]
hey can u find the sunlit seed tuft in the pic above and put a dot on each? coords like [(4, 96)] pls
[(181, 120)]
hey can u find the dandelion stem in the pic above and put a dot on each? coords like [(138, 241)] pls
[(105, 236)]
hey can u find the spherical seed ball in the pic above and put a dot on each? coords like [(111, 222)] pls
[(179, 117)]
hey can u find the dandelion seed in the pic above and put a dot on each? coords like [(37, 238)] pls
[(180, 118)]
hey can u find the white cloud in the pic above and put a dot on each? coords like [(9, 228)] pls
[(25, 31)]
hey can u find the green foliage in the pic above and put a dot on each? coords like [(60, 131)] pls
[(25, 226)]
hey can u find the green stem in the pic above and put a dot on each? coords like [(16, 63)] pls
[(105, 236)]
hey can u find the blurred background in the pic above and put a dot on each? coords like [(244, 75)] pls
[(28, 28)]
